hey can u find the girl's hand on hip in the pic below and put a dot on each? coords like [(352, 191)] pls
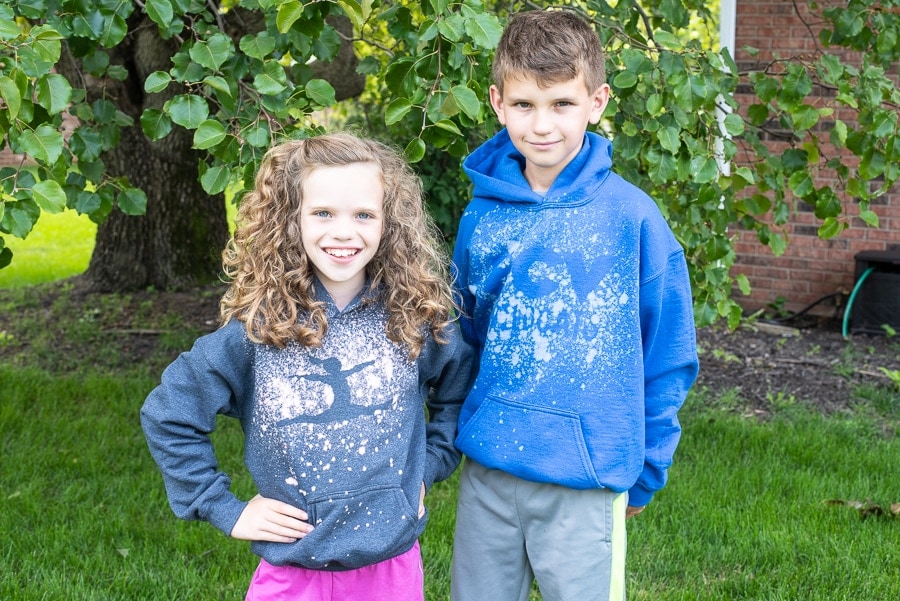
[(272, 521)]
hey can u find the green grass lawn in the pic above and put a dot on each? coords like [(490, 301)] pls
[(745, 515), (59, 246)]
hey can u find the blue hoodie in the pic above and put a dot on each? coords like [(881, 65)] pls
[(579, 304), (337, 430)]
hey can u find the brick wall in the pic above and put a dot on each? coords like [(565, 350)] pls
[(811, 268)]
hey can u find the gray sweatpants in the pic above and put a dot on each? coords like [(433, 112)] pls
[(510, 531)]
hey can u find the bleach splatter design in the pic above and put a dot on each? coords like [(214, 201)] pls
[(333, 422), (553, 312)]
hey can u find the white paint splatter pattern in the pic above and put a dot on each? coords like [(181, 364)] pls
[(332, 418), (560, 302)]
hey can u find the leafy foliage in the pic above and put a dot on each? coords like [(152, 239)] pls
[(244, 76)]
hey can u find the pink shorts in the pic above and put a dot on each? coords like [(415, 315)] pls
[(400, 578)]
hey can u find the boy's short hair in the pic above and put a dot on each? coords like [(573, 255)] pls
[(552, 46)]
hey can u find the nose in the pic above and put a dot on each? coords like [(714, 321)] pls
[(541, 122), (342, 228)]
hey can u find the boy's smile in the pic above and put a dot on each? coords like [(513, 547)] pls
[(547, 124), (340, 224)]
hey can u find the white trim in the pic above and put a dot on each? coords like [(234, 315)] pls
[(727, 19), (727, 24)]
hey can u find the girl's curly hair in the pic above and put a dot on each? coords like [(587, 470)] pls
[(271, 279)]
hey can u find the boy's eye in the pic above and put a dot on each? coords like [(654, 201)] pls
[(563, 103), (523, 105)]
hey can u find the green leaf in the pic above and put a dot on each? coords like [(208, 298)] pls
[(213, 52), (45, 144), (484, 29), (218, 84), (155, 124), (794, 159), (669, 139), (320, 92), (6, 256), (625, 80), (869, 217), (87, 203), (160, 12), (53, 93), (187, 110), (466, 100), (805, 117), (801, 184), (745, 174), (114, 31), (20, 217), (885, 123), (704, 168), (288, 13), (272, 80), (354, 10), (838, 134), (396, 110), (215, 179), (830, 228), (132, 201), (208, 134), (258, 46), (157, 82), (667, 40), (447, 125), (258, 135), (415, 150), (401, 78), (86, 144), (9, 91), (49, 195), (778, 244), (452, 27), (734, 125)]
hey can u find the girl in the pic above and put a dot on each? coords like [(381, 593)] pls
[(337, 328)]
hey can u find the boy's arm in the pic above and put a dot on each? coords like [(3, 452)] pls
[(670, 368), (177, 418)]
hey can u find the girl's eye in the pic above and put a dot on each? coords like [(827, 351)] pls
[(365, 215), (322, 214)]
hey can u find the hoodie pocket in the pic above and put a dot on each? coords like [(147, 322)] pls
[(536, 443), (359, 528)]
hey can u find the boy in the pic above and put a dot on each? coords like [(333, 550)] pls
[(576, 295)]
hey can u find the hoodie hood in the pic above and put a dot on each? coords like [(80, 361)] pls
[(496, 169)]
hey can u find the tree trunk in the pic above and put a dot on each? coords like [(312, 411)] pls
[(177, 244)]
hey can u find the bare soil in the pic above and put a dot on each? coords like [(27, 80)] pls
[(815, 364), (57, 326)]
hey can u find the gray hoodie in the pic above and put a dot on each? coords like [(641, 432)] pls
[(339, 431)]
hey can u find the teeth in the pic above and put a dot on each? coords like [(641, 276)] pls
[(341, 252)]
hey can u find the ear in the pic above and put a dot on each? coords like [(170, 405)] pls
[(497, 103), (600, 98)]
